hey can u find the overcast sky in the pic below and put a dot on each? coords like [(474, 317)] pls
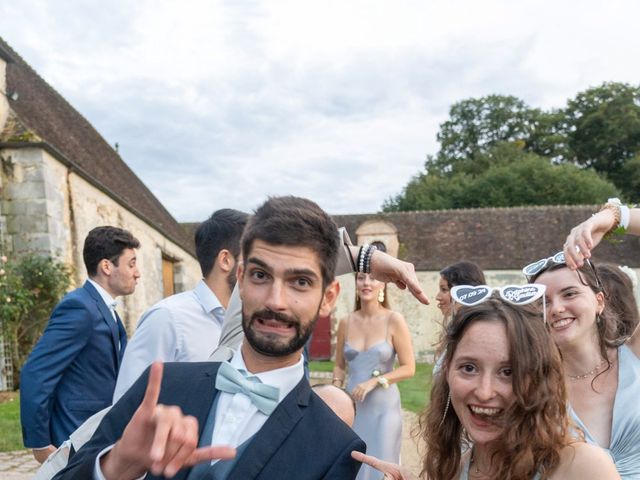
[(221, 103)]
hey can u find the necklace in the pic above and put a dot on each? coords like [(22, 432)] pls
[(473, 464), (588, 374)]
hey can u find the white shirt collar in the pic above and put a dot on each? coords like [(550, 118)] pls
[(208, 299), (285, 378), (111, 302)]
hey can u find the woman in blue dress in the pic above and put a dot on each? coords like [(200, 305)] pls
[(368, 342), (600, 345)]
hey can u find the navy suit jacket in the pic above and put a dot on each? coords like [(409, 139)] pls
[(71, 372), (302, 439)]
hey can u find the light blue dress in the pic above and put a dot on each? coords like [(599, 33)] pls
[(379, 418), (624, 448)]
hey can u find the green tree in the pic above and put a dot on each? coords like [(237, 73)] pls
[(602, 128), (476, 125), (510, 176), (30, 287)]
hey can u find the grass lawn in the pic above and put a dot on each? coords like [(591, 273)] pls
[(414, 392), (10, 435)]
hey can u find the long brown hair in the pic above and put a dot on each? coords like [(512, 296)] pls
[(535, 425), (608, 323)]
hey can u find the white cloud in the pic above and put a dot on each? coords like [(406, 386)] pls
[(220, 103)]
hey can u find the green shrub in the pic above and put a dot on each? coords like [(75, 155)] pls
[(30, 287)]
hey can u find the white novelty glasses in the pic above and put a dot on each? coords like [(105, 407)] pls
[(515, 294)]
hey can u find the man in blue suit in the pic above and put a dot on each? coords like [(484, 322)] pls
[(259, 403), (72, 370)]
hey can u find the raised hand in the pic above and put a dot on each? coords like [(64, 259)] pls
[(391, 471), (158, 438), (586, 236), (386, 268)]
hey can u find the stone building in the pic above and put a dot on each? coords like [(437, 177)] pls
[(59, 178), (500, 240)]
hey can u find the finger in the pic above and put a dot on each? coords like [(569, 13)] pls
[(152, 393), (164, 419), (182, 442), (412, 283), (569, 252), (215, 452), (368, 460)]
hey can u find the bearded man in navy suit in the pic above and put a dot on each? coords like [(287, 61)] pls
[(71, 372), (259, 404)]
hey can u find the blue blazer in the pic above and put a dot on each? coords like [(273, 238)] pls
[(71, 372), (302, 439)]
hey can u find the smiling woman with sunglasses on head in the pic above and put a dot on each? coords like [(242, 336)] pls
[(601, 361), (501, 395)]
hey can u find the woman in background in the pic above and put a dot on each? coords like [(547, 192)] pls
[(460, 273), (368, 341)]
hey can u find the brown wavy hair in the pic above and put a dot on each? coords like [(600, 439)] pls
[(536, 425), (612, 329)]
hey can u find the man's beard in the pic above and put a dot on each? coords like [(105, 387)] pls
[(274, 345)]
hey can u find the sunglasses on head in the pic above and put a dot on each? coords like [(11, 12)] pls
[(535, 268), (541, 265), (469, 295)]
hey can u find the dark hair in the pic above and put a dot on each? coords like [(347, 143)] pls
[(106, 243), (463, 273), (620, 300), (221, 231), (536, 425), (298, 222)]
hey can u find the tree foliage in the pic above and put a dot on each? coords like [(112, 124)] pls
[(602, 127), (30, 287), (513, 177), (590, 147)]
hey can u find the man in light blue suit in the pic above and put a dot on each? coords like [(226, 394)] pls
[(259, 403), (72, 370)]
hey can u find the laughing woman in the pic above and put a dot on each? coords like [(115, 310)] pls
[(501, 395), (369, 340)]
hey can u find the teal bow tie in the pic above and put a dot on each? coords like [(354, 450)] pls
[(230, 380)]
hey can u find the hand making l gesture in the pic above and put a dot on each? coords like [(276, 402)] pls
[(158, 438)]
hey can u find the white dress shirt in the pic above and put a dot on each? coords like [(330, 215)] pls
[(181, 328), (237, 418), (109, 301)]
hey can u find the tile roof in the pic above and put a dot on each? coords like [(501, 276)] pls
[(495, 238), (42, 117)]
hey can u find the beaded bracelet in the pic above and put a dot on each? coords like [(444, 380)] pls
[(367, 260), (364, 258), (620, 214), (360, 261)]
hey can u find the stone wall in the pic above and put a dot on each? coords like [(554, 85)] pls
[(424, 321), (50, 209)]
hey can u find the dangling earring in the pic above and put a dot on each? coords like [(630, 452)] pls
[(598, 319), (381, 295), (446, 409)]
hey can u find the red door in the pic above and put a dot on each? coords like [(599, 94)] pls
[(320, 348)]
